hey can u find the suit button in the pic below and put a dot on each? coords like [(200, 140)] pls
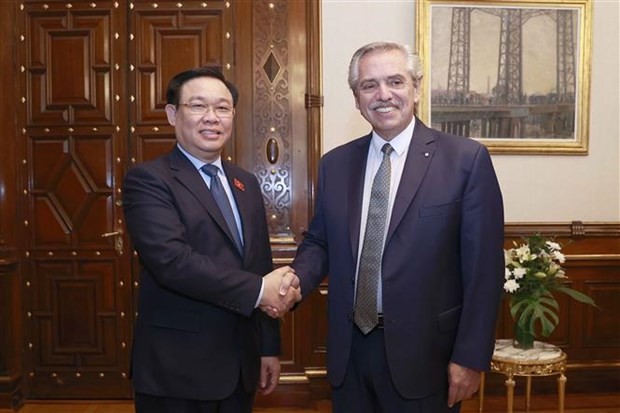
[(352, 280), (350, 316)]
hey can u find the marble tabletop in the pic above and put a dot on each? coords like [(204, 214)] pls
[(542, 352)]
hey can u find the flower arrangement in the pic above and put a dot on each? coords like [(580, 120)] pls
[(533, 272)]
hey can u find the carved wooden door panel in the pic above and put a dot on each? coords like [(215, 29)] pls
[(93, 85), (166, 38), (92, 81), (73, 121)]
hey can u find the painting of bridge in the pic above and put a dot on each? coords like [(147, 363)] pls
[(507, 73)]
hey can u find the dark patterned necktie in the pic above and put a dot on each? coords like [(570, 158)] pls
[(366, 316), (223, 202)]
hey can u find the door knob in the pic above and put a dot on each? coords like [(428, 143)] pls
[(118, 240), (112, 234)]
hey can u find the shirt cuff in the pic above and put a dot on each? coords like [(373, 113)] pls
[(260, 294)]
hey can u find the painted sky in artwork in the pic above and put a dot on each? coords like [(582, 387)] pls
[(539, 51)]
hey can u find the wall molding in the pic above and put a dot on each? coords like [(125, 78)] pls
[(573, 229)]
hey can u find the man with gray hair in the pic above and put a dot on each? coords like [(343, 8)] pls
[(409, 226)]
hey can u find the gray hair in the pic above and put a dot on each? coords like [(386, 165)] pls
[(414, 65)]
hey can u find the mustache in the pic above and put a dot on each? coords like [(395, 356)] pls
[(383, 104)]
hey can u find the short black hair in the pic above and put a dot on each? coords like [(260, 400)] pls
[(174, 86)]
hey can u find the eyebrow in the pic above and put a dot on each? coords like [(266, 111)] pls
[(204, 99), (374, 79)]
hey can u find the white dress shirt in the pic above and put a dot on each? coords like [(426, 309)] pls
[(400, 143), (222, 174)]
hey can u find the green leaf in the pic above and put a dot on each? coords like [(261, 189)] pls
[(577, 295), (550, 301), (548, 320), (536, 314), (517, 306)]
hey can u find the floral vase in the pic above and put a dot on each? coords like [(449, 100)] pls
[(524, 339)]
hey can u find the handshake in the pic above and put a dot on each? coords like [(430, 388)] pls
[(281, 292)]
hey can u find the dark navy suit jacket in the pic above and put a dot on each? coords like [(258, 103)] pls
[(443, 263), (197, 331)]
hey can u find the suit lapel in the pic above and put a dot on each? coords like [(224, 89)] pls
[(188, 176), (359, 157), (419, 158)]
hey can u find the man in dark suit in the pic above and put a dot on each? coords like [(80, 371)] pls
[(409, 226), (198, 224)]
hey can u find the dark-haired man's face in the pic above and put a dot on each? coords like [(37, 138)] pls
[(203, 135)]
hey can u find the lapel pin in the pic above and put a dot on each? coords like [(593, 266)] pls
[(426, 154), (238, 184)]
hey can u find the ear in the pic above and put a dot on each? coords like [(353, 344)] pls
[(416, 90), (416, 96), (357, 101), (171, 113)]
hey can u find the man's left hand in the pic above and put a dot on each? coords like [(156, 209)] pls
[(269, 374), (463, 382)]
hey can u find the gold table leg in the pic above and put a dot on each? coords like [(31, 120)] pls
[(481, 393), (526, 364), (561, 389), (528, 393), (510, 392)]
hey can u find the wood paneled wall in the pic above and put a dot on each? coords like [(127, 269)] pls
[(10, 327), (589, 336), (83, 96)]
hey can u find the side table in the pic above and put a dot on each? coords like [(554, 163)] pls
[(542, 360)]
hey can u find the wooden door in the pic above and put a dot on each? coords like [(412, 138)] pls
[(73, 122), (91, 80)]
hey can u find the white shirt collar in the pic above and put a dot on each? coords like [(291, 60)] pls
[(400, 142), (200, 163)]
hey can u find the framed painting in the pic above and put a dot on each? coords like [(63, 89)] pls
[(514, 75)]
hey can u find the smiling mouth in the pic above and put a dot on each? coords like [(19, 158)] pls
[(208, 132), (385, 109), (384, 106)]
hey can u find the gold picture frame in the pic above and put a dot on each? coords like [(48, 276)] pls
[(514, 75)]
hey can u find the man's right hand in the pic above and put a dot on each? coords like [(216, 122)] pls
[(281, 291)]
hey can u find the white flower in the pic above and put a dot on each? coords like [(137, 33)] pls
[(519, 273), (553, 268), (559, 256), (533, 271), (511, 286), (523, 253)]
